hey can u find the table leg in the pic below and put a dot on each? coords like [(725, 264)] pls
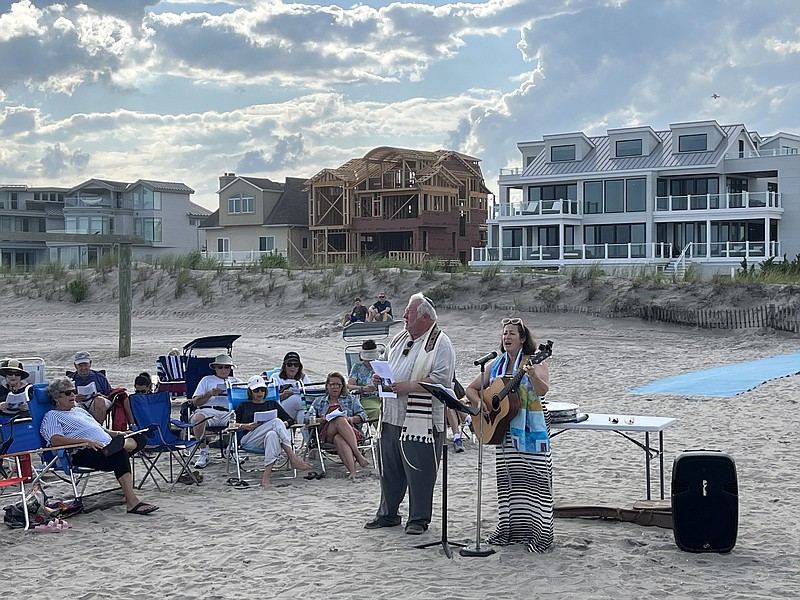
[(647, 460), (661, 459)]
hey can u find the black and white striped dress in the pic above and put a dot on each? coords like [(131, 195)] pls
[(524, 497)]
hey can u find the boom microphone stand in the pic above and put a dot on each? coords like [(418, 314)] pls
[(449, 402), (476, 550)]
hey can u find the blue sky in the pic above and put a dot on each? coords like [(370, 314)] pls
[(184, 91)]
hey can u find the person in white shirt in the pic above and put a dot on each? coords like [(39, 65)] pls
[(211, 399)]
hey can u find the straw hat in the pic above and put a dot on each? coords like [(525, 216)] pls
[(222, 360), (12, 365), (369, 351)]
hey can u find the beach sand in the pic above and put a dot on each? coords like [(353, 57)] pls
[(305, 539)]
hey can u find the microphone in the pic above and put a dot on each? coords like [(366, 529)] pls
[(484, 359)]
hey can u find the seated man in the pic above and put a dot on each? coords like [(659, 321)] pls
[(358, 314), (100, 448), (381, 310), (211, 400), (269, 436), (97, 403)]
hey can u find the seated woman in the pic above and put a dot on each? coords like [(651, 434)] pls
[(266, 436), (338, 412), (67, 424), (360, 379), (14, 394), (143, 384), (288, 383)]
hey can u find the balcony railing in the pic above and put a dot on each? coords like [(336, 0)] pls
[(241, 257), (718, 201), (755, 249), (590, 252), (537, 207), (511, 171), (762, 153)]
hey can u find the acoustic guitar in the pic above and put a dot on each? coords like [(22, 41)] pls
[(501, 399)]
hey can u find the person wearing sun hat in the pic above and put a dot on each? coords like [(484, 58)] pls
[(211, 399), (269, 437), (14, 373), (360, 379)]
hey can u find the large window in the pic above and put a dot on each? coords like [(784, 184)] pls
[(621, 240), (240, 203), (100, 225), (629, 148), (149, 228), (562, 153), (146, 199), (223, 245), (693, 143), (615, 196), (266, 243), (593, 197), (635, 195)]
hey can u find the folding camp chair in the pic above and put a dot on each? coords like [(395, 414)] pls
[(15, 466), (171, 372), (237, 395), (152, 413)]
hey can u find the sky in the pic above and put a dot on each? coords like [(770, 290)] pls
[(186, 90)]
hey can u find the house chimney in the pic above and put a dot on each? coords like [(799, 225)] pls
[(226, 178)]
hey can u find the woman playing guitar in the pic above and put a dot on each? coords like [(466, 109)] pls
[(523, 462)]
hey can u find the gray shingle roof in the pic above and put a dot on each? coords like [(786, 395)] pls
[(212, 220), (292, 207), (165, 186), (599, 159)]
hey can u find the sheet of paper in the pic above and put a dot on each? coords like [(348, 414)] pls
[(335, 413), (87, 390), (383, 370), (264, 416), (14, 400)]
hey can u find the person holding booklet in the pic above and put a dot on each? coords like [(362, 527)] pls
[(266, 422), (14, 394), (340, 416), (93, 387), (100, 448)]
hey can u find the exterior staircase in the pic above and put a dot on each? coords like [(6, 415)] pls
[(677, 268)]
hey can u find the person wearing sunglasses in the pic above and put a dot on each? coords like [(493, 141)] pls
[(14, 394), (381, 310), (523, 463), (211, 400), (289, 382), (413, 423), (68, 424)]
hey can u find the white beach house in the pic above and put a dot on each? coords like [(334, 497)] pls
[(698, 193)]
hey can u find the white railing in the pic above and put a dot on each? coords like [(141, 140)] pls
[(511, 171), (762, 153), (241, 257), (756, 249), (536, 207), (718, 201), (578, 252)]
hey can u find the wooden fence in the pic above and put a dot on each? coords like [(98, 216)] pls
[(760, 317)]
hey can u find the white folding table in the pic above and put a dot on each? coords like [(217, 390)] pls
[(623, 425)]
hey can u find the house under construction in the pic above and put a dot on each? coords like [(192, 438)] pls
[(409, 204)]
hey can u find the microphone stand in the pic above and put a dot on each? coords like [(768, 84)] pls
[(476, 550)]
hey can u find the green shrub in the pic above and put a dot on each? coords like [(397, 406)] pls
[(78, 289), (272, 261)]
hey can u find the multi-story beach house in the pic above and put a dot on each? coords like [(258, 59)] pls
[(408, 204), (158, 211), (698, 193), (33, 210), (256, 217)]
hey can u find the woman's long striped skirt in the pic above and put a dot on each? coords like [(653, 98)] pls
[(524, 498)]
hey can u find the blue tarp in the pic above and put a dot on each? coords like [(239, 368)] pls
[(725, 381)]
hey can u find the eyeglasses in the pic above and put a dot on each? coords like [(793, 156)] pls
[(69, 392), (408, 347), (293, 364), (381, 297), (334, 384), (11, 374), (259, 390), (514, 321), (223, 367)]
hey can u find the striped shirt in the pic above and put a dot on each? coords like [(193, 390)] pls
[(73, 423)]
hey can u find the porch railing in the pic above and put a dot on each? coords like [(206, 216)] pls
[(241, 257), (718, 201)]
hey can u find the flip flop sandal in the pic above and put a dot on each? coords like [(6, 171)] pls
[(237, 483), (320, 475), (311, 475)]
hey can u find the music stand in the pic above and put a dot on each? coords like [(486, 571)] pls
[(442, 395)]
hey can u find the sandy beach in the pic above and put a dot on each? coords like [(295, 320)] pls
[(305, 539)]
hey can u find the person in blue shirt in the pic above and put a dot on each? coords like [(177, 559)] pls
[(381, 310), (98, 404)]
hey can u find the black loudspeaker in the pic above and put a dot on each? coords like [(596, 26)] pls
[(705, 501)]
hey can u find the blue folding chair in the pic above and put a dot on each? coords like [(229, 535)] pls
[(18, 441), (152, 413)]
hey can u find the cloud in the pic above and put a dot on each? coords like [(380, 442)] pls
[(287, 153), (57, 161), (18, 119)]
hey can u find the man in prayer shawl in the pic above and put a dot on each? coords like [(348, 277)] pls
[(413, 423)]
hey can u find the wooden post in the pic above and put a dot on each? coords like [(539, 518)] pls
[(125, 299)]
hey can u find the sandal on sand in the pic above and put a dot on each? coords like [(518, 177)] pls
[(310, 475), (188, 480), (54, 526), (237, 483), (143, 508)]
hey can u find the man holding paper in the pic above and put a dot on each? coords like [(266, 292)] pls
[(93, 387), (413, 422)]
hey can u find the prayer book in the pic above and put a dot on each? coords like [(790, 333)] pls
[(90, 391), (335, 413), (265, 416), (15, 399)]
